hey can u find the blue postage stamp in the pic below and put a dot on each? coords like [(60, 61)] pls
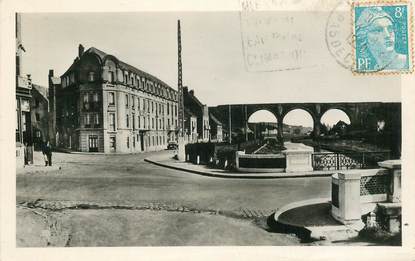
[(382, 37)]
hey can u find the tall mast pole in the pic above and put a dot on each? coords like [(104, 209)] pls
[(179, 82)]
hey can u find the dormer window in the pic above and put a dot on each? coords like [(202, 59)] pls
[(111, 77), (126, 78), (91, 76)]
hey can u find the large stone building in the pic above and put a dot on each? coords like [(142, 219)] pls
[(102, 104), (23, 108)]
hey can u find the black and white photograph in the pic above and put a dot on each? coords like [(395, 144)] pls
[(245, 126)]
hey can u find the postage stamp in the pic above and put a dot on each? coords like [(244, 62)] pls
[(382, 41)]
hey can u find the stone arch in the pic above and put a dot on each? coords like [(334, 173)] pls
[(251, 126), (312, 113), (330, 121), (253, 111), (340, 108), (304, 109)]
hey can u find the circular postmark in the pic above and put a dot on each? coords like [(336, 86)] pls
[(339, 35)]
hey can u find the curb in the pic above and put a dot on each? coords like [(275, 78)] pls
[(245, 176), (305, 233)]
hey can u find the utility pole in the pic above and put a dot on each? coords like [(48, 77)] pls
[(179, 82), (230, 124), (246, 124), (181, 152)]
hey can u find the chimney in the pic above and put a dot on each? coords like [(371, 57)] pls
[(192, 92), (50, 73), (80, 50)]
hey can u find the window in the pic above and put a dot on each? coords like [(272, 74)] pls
[(111, 98), (132, 80), (175, 110), (133, 102), (152, 123), (144, 105), (126, 100), (152, 107), (87, 120), (95, 97), (128, 142), (139, 121), (112, 121), (168, 109), (93, 143), (133, 116), (37, 117), (86, 101), (125, 77), (112, 144), (127, 121), (138, 103), (134, 141), (111, 77), (96, 120), (91, 76)]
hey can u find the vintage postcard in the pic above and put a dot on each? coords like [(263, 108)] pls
[(171, 130)]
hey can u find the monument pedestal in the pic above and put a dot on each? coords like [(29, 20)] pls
[(298, 157)]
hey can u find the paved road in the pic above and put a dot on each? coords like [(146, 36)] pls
[(126, 179), (121, 200)]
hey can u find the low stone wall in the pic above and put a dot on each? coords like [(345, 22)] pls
[(357, 192), (260, 163)]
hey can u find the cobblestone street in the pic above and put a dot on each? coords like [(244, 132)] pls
[(93, 197)]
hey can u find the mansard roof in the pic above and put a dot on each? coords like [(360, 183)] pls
[(122, 65)]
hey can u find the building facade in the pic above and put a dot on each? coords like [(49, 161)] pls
[(105, 105), (195, 110), (24, 136), (39, 115)]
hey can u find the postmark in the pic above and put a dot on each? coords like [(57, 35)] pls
[(338, 34), (382, 37)]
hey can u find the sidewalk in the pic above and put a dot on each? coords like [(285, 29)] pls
[(166, 160), (38, 165)]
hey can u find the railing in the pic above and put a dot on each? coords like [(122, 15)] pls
[(348, 160)]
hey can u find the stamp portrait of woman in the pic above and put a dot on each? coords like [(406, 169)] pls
[(376, 41)]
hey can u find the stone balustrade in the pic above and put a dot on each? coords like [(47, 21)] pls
[(358, 192)]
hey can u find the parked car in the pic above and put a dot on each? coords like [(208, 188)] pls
[(172, 145)]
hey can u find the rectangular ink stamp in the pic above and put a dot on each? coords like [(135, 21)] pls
[(382, 41)]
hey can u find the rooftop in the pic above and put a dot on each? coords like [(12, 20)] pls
[(122, 65)]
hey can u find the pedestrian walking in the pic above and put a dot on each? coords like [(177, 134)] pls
[(26, 156), (47, 153)]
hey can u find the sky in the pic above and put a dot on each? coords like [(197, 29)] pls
[(299, 116), (214, 50)]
